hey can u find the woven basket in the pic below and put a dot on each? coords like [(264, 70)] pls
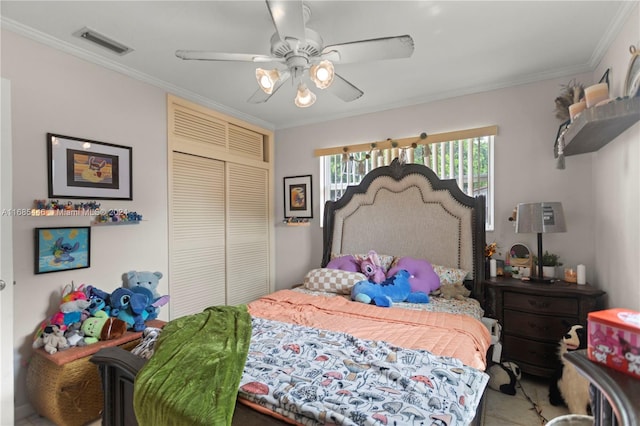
[(69, 394)]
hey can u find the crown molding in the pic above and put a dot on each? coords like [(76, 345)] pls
[(33, 34)]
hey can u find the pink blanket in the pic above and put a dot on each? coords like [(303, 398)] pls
[(457, 336)]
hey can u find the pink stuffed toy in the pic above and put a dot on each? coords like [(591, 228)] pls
[(422, 277), (372, 268)]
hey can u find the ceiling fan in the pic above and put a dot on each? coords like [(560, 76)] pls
[(299, 50)]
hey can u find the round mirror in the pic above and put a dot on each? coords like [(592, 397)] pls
[(520, 255), (632, 83)]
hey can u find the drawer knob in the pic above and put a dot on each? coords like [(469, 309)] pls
[(537, 304), (536, 326)]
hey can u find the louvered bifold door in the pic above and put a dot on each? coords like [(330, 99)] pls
[(197, 261), (247, 233)]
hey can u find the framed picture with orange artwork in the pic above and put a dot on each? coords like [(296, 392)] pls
[(298, 197), (82, 168)]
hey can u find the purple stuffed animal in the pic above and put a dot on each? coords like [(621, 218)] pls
[(422, 277), (372, 268)]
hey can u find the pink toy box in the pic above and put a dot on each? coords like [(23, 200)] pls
[(614, 339)]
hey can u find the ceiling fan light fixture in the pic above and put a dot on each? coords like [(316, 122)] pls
[(322, 74), (267, 79), (304, 96)]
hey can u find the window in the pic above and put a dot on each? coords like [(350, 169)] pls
[(469, 161)]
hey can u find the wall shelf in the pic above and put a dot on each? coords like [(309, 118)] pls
[(122, 222), (597, 126), (61, 212)]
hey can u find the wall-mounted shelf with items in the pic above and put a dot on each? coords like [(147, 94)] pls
[(597, 126), (69, 208), (296, 221), (117, 217), (122, 222), (60, 212)]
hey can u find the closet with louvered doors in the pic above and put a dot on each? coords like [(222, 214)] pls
[(221, 209)]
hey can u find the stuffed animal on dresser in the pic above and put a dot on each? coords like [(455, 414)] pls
[(568, 387)]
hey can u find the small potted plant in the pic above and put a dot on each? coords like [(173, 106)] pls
[(550, 261)]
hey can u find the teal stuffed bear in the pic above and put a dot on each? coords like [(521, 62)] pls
[(146, 283), (394, 289)]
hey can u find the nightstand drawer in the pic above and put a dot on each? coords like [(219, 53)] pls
[(537, 326), (541, 354), (540, 304)]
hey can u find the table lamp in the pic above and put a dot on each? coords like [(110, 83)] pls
[(540, 218)]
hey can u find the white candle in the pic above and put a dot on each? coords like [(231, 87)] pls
[(596, 93), (493, 268), (582, 274)]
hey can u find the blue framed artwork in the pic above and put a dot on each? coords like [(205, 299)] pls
[(62, 249)]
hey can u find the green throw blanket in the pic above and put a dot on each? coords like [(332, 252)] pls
[(193, 376)]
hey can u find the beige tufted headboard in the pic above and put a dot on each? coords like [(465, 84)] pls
[(406, 210)]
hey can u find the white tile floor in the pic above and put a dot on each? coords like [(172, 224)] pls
[(517, 410), (500, 410)]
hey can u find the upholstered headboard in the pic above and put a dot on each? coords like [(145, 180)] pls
[(406, 210)]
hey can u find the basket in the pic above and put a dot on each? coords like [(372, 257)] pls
[(68, 394)]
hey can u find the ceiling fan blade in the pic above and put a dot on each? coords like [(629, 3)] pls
[(370, 50), (203, 55), (344, 89), (259, 96), (288, 18)]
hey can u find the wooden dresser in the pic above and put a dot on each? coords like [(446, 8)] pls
[(534, 317)]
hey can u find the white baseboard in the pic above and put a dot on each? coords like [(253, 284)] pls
[(23, 411)]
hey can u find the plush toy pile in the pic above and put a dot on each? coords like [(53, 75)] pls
[(410, 280), (87, 314)]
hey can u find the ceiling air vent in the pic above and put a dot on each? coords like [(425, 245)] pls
[(102, 41)]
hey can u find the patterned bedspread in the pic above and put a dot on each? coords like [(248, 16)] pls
[(316, 376)]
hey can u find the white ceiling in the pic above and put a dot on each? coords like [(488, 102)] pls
[(461, 47)]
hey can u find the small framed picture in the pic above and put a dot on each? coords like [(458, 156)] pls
[(298, 197), (62, 249), (82, 168)]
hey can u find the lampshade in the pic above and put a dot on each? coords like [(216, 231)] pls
[(322, 74), (540, 218), (543, 218), (267, 79), (304, 96)]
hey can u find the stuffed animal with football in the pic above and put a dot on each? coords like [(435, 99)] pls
[(503, 377), (102, 327), (568, 387)]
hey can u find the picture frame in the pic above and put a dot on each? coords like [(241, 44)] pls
[(83, 168), (62, 248), (298, 197)]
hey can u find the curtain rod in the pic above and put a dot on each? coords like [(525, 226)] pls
[(422, 139)]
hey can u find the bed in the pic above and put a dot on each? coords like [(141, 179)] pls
[(313, 356)]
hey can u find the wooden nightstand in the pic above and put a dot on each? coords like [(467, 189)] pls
[(532, 316)]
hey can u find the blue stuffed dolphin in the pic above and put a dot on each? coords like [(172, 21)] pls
[(394, 289)]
